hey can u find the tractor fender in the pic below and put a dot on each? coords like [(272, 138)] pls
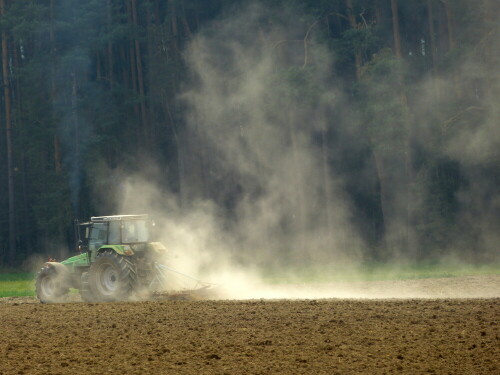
[(119, 249), (63, 272), (58, 267)]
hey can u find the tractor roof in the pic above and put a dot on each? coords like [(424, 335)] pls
[(95, 219)]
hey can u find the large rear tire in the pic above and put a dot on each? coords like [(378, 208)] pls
[(51, 285), (112, 277)]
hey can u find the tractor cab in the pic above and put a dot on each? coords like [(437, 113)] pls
[(113, 230)]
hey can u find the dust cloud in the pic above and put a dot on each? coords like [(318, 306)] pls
[(259, 139), (257, 190)]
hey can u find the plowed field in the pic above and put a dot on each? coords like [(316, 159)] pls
[(324, 336)]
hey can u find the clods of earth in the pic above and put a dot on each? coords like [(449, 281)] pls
[(322, 336)]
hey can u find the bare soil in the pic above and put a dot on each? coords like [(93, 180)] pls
[(322, 336)]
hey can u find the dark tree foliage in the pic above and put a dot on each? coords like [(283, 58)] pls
[(94, 88)]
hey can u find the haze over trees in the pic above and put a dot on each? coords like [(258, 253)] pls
[(374, 119)]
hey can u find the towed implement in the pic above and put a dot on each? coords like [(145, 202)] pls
[(116, 261)]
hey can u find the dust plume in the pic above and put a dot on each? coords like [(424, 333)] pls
[(265, 195), (259, 188), (261, 136)]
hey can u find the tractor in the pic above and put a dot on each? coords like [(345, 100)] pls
[(116, 260)]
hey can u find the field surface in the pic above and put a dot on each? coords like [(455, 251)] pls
[(411, 335)]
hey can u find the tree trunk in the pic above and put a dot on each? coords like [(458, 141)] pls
[(24, 238), (76, 134), (10, 152), (179, 151), (173, 22), (57, 143), (57, 154), (185, 23), (378, 13), (449, 18), (157, 13), (452, 45), (123, 58), (150, 47), (353, 24), (98, 73), (298, 206), (133, 70), (140, 79), (395, 28), (432, 35), (408, 157), (336, 17), (110, 45), (326, 182), (52, 52), (384, 201)]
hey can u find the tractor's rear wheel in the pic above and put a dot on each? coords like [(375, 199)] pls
[(51, 286), (112, 277)]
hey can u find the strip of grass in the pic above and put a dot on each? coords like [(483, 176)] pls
[(17, 285), (23, 284), (375, 272)]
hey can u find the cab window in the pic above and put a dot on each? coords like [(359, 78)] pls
[(114, 233), (135, 231), (98, 235)]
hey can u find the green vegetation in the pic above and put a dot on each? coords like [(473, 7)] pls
[(22, 284), (378, 272), (17, 284)]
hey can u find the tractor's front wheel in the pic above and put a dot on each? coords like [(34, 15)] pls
[(112, 277), (51, 285)]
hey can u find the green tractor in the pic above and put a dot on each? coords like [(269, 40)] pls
[(116, 260)]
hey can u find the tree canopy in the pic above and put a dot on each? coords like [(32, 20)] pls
[(367, 125)]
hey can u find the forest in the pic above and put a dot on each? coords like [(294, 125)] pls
[(304, 130)]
